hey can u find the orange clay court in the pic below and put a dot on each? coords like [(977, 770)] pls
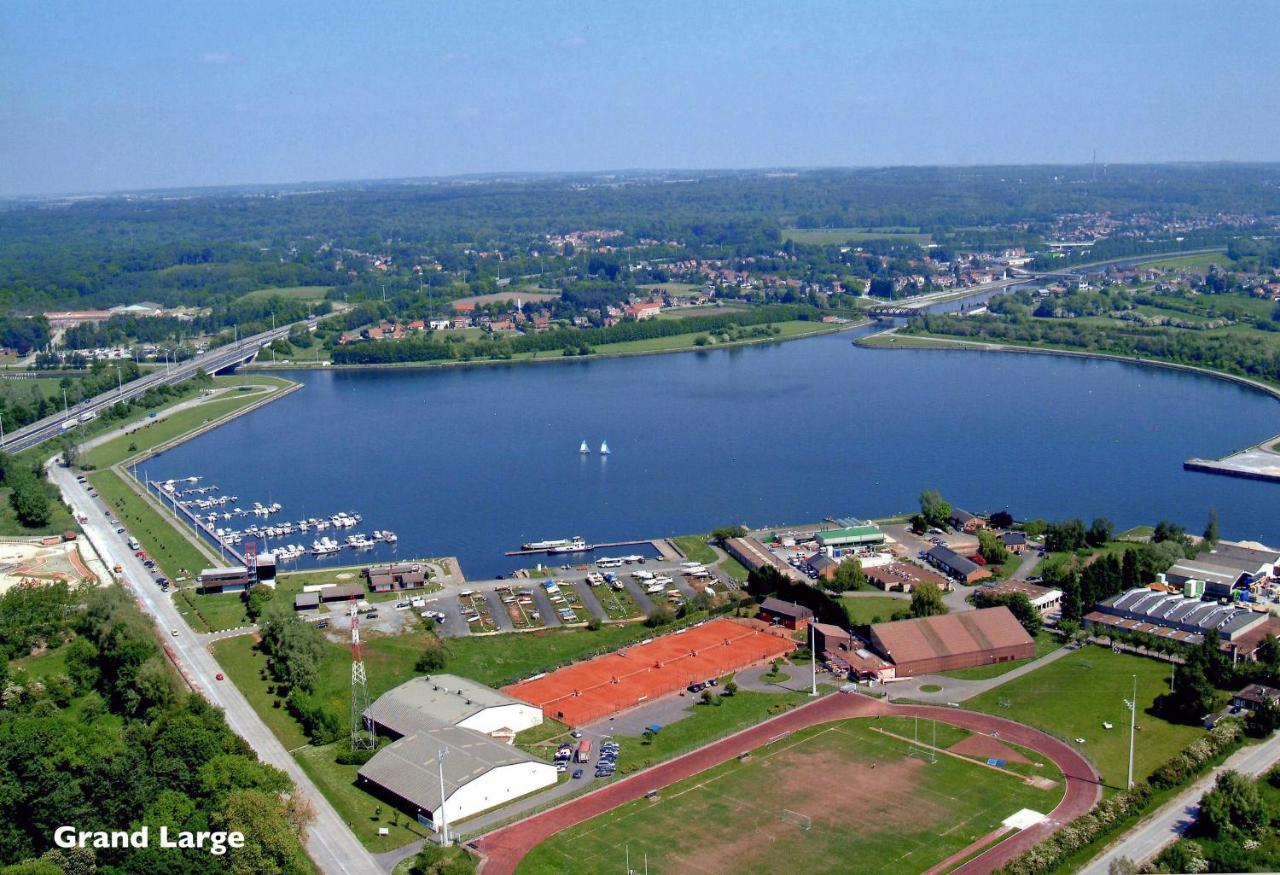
[(588, 691)]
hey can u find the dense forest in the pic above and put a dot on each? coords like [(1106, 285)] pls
[(216, 245), (95, 732)]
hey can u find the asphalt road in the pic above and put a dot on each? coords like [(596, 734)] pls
[(1150, 836), (332, 845), (211, 362)]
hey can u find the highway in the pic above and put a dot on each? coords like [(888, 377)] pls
[(1173, 818), (331, 843), (211, 362)]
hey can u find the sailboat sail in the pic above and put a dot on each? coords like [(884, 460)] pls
[(604, 448), (584, 449)]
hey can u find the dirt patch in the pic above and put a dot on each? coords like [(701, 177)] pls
[(986, 747), (345, 575)]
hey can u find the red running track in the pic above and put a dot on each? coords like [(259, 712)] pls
[(503, 849)]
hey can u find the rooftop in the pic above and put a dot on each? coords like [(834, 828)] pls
[(950, 634), (785, 609), (953, 560), (425, 702)]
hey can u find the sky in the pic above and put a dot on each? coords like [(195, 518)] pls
[(138, 94)]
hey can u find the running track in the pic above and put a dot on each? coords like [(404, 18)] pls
[(503, 849)]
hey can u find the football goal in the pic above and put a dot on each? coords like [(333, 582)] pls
[(797, 819)]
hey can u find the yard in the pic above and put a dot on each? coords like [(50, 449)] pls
[(793, 806), (1045, 643), (1072, 697), (864, 610)]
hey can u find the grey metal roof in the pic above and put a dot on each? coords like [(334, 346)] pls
[(1180, 612), (409, 767), (785, 609), (427, 702), (953, 560), (1239, 556), (1206, 571)]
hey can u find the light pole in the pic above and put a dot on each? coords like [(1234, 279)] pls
[(444, 820), (65, 410), (1132, 705), (813, 655), (119, 382)]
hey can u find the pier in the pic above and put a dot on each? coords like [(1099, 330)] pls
[(586, 549), (181, 510)]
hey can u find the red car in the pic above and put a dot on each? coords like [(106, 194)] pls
[(219, 676)]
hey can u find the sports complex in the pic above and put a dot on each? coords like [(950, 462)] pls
[(588, 691), (930, 789)]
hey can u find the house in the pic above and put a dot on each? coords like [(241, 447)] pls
[(644, 309), (1014, 542), (827, 637), (927, 645), (235, 578), (341, 592), (963, 521), (753, 555), (824, 566), (306, 601), (953, 564), (385, 578), (789, 614), (1252, 697), (904, 577), (1046, 600)]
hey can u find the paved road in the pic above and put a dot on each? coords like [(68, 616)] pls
[(330, 842), (1150, 836), (211, 362), (504, 848), (957, 690)]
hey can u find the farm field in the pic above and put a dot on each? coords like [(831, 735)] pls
[(1072, 697), (781, 810), (302, 293)]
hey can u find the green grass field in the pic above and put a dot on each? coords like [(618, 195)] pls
[(302, 293), (919, 813), (1188, 262), (674, 290), (873, 609), (175, 555), (60, 519), (734, 569), (361, 811), (696, 548), (1071, 698), (1045, 643)]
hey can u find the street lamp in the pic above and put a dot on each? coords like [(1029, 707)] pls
[(813, 655), (1132, 705), (444, 820)]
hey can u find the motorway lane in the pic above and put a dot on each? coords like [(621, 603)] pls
[(332, 845), (1173, 818)]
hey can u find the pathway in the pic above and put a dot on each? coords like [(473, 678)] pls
[(958, 690)]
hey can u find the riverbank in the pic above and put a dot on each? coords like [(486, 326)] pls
[(795, 330)]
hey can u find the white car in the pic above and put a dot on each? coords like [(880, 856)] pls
[(173, 632)]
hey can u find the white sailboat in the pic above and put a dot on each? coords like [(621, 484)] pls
[(604, 448), (584, 449)]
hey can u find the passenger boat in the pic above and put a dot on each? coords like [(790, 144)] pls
[(575, 545)]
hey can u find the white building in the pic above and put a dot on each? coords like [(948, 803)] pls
[(452, 700)]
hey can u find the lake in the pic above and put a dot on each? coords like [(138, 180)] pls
[(472, 462)]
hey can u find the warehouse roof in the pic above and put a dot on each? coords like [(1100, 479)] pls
[(785, 609), (950, 634), (953, 560), (410, 768), (1187, 613), (306, 600), (850, 532), (1209, 572), (427, 702), (341, 591)]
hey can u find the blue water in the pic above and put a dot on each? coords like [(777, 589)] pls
[(473, 462)]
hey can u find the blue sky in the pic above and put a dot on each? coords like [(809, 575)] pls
[(105, 96)]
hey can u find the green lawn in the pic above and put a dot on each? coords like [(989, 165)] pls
[(175, 555), (213, 612), (873, 609), (158, 431), (362, 812), (1188, 262), (674, 290), (827, 236), (303, 293), (47, 664), (734, 569), (60, 518), (1045, 643), (1074, 695), (696, 548), (734, 812)]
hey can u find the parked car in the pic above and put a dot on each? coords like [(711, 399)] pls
[(577, 773), (576, 733)]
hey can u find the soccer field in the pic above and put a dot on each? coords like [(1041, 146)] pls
[(835, 798)]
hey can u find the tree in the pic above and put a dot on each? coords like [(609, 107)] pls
[(1264, 720), (730, 688), (1072, 605), (1269, 652), (926, 600), (1211, 527), (30, 502), (1122, 866), (1002, 519), (256, 600), (1064, 536), (270, 843), (1034, 528), (1100, 532), (1017, 603), (934, 508), (294, 648), (1233, 808), (849, 576), (433, 658), (70, 451), (991, 547), (1192, 696), (725, 532), (1184, 855), (1167, 531)]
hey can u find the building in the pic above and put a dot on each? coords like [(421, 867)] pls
[(1046, 599), (787, 614), (753, 555), (454, 700), (447, 723), (963, 521), (62, 319), (824, 566), (951, 563), (943, 643), (1173, 616), (847, 653), (233, 578), (478, 773), (1220, 581), (1252, 697), (828, 637), (306, 601), (341, 592), (852, 536), (904, 577), (644, 309), (385, 578), (1014, 542)]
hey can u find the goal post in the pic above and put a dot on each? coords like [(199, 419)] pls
[(923, 753), (797, 819)]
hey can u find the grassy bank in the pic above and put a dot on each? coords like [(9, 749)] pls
[(173, 552), (1045, 644)]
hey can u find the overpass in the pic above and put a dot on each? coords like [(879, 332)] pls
[(224, 358)]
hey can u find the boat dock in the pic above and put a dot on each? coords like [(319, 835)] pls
[(587, 549), (181, 510)]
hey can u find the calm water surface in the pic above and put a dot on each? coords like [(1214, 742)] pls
[(473, 462)]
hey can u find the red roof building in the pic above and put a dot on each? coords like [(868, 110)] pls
[(932, 644)]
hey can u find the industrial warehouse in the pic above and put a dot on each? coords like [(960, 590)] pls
[(943, 643), (463, 729)]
